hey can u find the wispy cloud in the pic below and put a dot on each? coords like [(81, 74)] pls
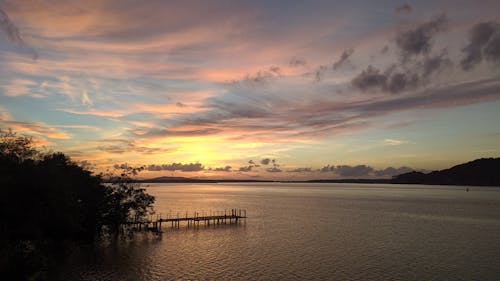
[(195, 80), (395, 142), (4, 114), (403, 9), (18, 87), (35, 128)]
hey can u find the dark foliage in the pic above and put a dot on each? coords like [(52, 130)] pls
[(48, 202), (481, 172)]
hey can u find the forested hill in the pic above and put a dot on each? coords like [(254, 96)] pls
[(484, 171)]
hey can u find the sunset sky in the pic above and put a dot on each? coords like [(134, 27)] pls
[(254, 89)]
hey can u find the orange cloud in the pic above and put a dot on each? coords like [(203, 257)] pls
[(35, 128)]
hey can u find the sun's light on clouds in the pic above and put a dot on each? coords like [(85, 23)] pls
[(221, 85)]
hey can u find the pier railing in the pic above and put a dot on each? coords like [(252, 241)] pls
[(231, 216)]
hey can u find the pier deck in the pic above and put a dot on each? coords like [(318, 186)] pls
[(232, 216)]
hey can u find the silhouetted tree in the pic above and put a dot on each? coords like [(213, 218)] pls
[(48, 201), (125, 200)]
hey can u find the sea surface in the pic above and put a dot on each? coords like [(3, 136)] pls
[(302, 231)]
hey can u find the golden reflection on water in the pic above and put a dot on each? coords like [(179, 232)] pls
[(311, 232)]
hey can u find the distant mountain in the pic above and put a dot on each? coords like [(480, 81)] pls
[(482, 172)]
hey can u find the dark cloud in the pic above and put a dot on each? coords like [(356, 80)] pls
[(275, 69), (191, 167), (300, 170), (296, 62), (343, 60), (353, 171), (492, 50), (274, 170), (319, 73), (399, 82), (348, 171), (484, 44), (384, 50), (265, 161), (327, 168), (126, 166), (246, 168), (356, 171), (180, 104), (405, 74), (123, 166), (263, 76), (399, 78), (418, 41), (10, 29), (223, 169), (12, 33), (403, 9), (435, 64), (390, 171), (369, 79)]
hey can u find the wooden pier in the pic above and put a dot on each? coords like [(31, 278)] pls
[(232, 216)]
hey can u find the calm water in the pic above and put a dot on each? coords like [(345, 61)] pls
[(312, 232)]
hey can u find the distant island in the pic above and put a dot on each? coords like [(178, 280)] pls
[(480, 172)]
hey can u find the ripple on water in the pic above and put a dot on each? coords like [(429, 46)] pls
[(327, 232)]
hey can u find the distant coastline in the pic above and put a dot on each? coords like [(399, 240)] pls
[(193, 180), (479, 172)]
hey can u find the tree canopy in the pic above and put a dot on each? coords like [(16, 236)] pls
[(46, 200)]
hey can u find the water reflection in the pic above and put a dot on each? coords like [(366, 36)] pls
[(312, 232)]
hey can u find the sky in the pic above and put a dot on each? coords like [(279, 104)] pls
[(282, 90)]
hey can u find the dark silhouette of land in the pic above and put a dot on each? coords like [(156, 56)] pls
[(352, 181), (480, 172), (193, 180)]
